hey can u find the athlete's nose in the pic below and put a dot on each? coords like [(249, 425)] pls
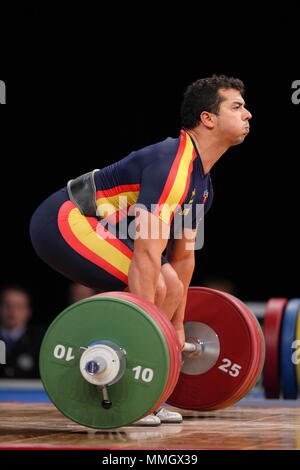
[(248, 115)]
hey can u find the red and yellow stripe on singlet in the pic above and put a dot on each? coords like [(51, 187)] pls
[(178, 182), (89, 238), (113, 203)]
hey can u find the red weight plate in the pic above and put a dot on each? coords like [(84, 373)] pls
[(169, 333), (239, 359), (258, 357), (272, 328)]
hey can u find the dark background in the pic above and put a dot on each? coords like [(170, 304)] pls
[(80, 97)]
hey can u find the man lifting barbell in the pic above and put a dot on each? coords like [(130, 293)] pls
[(84, 231)]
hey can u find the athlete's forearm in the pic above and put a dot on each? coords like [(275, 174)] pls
[(184, 269), (143, 275)]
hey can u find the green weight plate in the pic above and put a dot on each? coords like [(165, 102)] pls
[(94, 319), (171, 338)]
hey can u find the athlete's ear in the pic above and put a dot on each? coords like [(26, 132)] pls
[(207, 119)]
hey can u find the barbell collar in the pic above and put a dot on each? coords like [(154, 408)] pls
[(194, 348)]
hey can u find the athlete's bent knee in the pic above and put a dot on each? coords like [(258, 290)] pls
[(161, 291), (176, 290)]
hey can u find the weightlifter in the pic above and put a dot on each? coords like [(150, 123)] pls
[(84, 230)]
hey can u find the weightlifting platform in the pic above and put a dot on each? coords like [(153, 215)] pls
[(30, 421)]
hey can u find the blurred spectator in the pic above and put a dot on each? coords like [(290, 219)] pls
[(222, 284), (79, 292), (21, 339)]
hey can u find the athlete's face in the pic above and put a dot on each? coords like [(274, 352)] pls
[(232, 122)]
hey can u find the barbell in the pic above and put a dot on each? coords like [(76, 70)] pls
[(108, 360)]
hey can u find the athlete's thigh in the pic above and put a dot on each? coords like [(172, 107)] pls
[(77, 246), (81, 248)]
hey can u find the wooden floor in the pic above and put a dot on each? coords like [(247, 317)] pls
[(41, 425)]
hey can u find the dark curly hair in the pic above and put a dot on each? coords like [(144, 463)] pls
[(203, 95)]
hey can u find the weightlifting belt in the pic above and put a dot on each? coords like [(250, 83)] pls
[(82, 192)]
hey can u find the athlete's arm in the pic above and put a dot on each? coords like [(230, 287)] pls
[(181, 255), (152, 237), (184, 247)]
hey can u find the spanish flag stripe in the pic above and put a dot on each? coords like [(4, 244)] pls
[(112, 240), (187, 184), (117, 189), (182, 176), (194, 155), (116, 216), (173, 173), (178, 192), (109, 205), (76, 231), (99, 236)]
